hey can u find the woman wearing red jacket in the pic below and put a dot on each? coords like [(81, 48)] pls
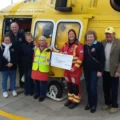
[(40, 69), (72, 76)]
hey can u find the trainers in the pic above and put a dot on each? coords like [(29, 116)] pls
[(113, 110), (14, 93), (105, 107), (5, 94)]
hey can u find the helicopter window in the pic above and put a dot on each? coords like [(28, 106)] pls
[(24, 24), (62, 32), (43, 28)]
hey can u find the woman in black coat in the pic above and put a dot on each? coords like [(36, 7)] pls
[(8, 65), (27, 51), (93, 64)]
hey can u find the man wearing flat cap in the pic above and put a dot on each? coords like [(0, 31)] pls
[(111, 71)]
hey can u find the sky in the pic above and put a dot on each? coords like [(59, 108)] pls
[(5, 3)]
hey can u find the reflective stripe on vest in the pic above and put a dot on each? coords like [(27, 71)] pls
[(39, 62), (74, 50)]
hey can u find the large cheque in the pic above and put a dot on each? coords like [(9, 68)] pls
[(63, 61)]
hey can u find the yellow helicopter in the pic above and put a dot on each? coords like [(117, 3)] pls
[(53, 19)]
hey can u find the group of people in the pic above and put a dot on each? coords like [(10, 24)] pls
[(98, 59), (19, 50), (10, 58), (33, 60)]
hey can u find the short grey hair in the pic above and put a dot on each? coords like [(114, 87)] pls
[(42, 38)]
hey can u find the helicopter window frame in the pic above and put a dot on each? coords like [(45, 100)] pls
[(42, 21), (68, 21)]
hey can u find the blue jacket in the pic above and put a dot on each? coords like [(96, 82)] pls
[(27, 58), (4, 61), (94, 57)]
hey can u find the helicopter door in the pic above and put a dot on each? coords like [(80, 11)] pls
[(44, 28), (24, 24)]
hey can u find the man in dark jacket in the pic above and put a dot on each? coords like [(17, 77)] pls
[(17, 38)]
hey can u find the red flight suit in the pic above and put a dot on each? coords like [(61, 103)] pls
[(73, 78)]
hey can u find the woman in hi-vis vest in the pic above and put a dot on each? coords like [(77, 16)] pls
[(40, 69)]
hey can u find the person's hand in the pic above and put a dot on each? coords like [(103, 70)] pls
[(117, 74), (49, 47), (72, 70), (35, 43), (9, 64), (99, 74)]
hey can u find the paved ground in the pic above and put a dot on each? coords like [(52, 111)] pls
[(27, 107)]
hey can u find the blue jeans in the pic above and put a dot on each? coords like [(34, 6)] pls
[(91, 80), (28, 86), (12, 75), (40, 88)]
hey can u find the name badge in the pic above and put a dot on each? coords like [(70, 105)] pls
[(20, 39), (93, 50)]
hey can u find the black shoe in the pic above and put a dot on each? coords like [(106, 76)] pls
[(73, 105), (36, 96), (93, 110), (88, 107), (41, 99), (68, 103)]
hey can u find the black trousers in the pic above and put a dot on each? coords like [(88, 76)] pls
[(110, 89), (40, 88), (21, 70), (28, 85)]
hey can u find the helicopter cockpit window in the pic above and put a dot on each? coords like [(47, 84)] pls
[(62, 32), (44, 28)]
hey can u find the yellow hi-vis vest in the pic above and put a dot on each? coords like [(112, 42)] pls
[(41, 61)]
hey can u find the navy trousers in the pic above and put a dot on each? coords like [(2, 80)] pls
[(110, 89), (40, 88), (28, 86), (91, 80)]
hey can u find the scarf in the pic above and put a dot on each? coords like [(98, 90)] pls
[(95, 42), (6, 53)]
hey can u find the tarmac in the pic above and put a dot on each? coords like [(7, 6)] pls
[(26, 108)]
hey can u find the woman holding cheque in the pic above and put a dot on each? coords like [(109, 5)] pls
[(72, 76)]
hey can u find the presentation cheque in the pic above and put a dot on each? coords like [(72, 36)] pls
[(63, 61)]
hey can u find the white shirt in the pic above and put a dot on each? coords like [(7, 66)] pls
[(107, 56)]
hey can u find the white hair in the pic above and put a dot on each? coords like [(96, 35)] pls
[(42, 38)]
